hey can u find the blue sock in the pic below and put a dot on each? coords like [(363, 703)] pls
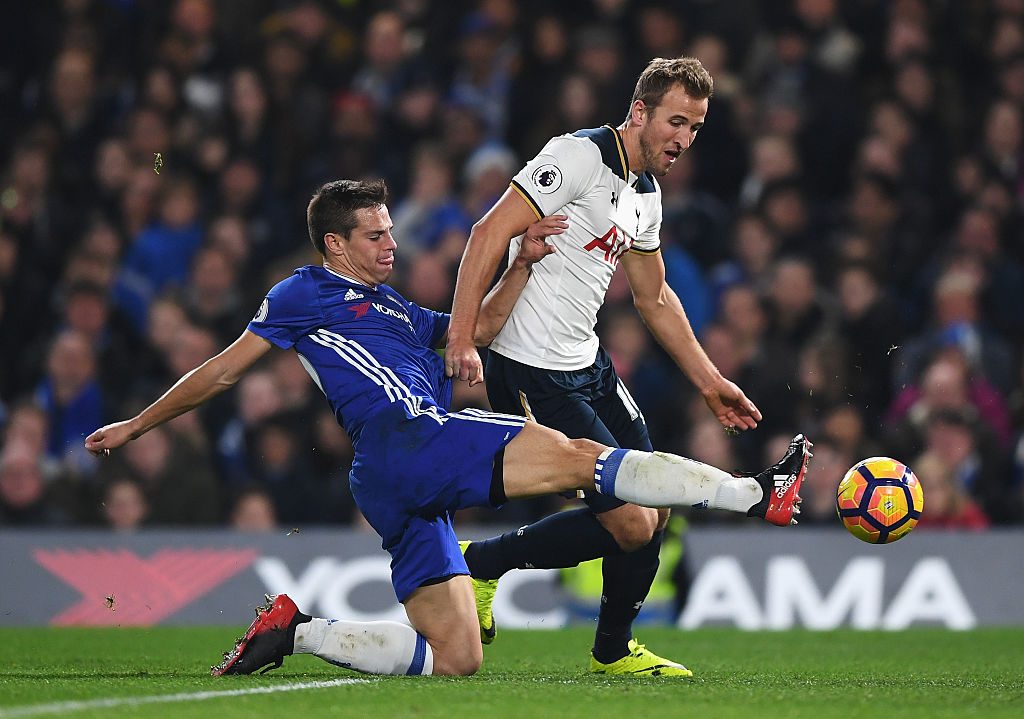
[(627, 580), (562, 540), (605, 470)]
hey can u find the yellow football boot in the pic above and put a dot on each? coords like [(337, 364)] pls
[(640, 662), (483, 592)]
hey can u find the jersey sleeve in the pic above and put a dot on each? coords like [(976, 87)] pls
[(649, 240), (563, 171), (430, 325), (290, 310)]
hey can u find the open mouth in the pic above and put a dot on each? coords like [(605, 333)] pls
[(673, 155)]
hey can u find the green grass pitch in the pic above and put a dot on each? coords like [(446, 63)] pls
[(918, 673)]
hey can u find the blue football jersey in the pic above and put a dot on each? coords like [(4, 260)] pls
[(366, 348)]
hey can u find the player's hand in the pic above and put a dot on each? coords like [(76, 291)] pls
[(109, 437), (731, 407), (533, 248), (462, 361)]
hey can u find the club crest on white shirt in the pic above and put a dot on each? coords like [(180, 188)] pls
[(263, 311), (547, 179)]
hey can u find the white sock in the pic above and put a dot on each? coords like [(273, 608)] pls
[(369, 647), (659, 479)]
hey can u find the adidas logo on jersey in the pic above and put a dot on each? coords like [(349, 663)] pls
[(352, 295), (782, 484)]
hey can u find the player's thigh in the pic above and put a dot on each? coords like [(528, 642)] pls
[(541, 460), (424, 550), (445, 614)]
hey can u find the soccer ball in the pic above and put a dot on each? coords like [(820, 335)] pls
[(879, 500)]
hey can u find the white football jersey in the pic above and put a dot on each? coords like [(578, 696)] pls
[(611, 211)]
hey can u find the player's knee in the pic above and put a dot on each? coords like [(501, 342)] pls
[(632, 527), (459, 661), (457, 651), (469, 663)]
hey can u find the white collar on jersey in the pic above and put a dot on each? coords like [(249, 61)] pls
[(350, 279)]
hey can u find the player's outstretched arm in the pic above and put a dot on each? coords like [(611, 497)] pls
[(498, 303), (664, 315), (488, 241), (201, 384)]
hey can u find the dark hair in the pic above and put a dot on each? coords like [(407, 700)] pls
[(334, 204), (661, 75)]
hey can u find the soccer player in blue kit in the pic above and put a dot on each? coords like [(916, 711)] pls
[(372, 353), (546, 363)]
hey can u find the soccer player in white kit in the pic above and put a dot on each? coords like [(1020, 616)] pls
[(547, 364)]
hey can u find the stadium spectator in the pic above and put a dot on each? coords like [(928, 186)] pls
[(431, 207), (24, 501), (871, 327), (177, 479), (754, 251), (253, 511), (211, 296), (162, 253), (258, 400), (72, 398), (949, 505), (124, 505), (796, 309), (948, 383), (978, 468), (277, 463)]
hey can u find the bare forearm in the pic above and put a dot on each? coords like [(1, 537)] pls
[(475, 272), (193, 389), (667, 321), (498, 304)]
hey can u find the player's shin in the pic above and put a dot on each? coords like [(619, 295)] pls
[(659, 479), (369, 647)]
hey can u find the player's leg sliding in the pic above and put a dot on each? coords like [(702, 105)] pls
[(657, 479), (368, 647), (281, 630)]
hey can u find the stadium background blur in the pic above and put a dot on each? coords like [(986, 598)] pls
[(846, 234)]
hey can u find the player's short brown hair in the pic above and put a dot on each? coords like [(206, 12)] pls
[(334, 205), (662, 74)]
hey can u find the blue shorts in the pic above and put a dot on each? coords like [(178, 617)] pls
[(410, 475), (590, 403)]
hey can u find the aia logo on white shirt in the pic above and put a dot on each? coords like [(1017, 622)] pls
[(611, 244)]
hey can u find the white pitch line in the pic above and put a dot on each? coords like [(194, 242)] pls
[(72, 706)]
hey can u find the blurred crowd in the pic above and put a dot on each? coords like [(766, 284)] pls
[(845, 234)]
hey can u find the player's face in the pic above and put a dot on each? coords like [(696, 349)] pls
[(370, 249), (669, 129)]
